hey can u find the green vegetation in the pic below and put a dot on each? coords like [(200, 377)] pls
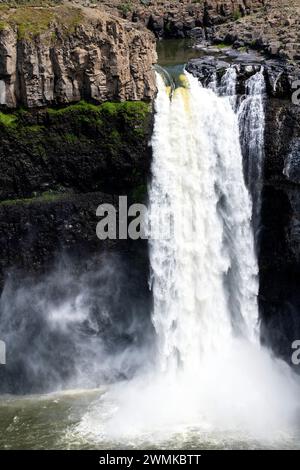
[(85, 138), (30, 24), (115, 137), (34, 3), (237, 15), (7, 120), (81, 106), (139, 194), (71, 138), (32, 19), (131, 112), (91, 113), (168, 27), (125, 8), (47, 196), (222, 45)]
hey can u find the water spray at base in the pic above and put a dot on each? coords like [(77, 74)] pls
[(211, 375)]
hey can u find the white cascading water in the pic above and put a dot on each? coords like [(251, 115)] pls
[(252, 129), (227, 86), (205, 274), (212, 380)]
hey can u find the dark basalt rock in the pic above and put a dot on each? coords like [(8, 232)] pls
[(281, 77), (56, 168), (80, 148), (177, 19), (279, 258), (36, 233), (197, 33), (105, 294), (292, 162), (206, 67)]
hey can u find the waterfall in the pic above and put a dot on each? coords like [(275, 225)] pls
[(227, 86), (205, 273), (252, 128), (210, 374)]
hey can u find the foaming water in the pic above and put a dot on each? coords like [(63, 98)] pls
[(231, 394), (252, 128), (205, 273), (228, 86), (214, 385)]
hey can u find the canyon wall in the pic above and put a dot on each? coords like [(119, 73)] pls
[(280, 236), (61, 157), (273, 30), (76, 87), (268, 25), (58, 55), (185, 17), (56, 167)]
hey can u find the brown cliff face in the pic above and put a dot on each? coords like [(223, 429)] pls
[(172, 18), (274, 30), (64, 54)]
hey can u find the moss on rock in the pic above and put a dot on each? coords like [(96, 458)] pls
[(82, 147)]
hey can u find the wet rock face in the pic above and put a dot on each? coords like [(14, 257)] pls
[(281, 77), (292, 162), (60, 159), (35, 235), (102, 58), (56, 167), (81, 148), (282, 139)]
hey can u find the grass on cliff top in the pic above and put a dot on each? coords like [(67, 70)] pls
[(31, 21), (45, 197), (34, 3)]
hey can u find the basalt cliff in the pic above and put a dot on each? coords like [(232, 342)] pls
[(58, 55), (77, 86)]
